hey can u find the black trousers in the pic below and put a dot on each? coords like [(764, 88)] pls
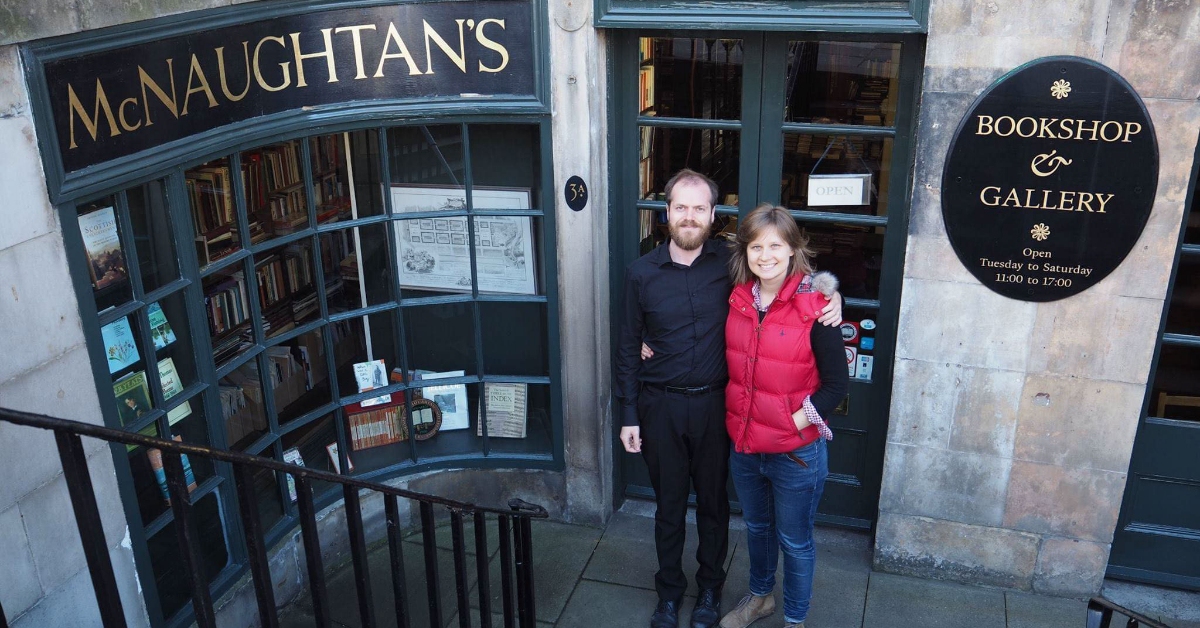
[(685, 444)]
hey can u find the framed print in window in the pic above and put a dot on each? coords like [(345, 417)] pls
[(434, 253), (426, 418)]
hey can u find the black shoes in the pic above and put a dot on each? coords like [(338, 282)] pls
[(666, 615), (708, 609)]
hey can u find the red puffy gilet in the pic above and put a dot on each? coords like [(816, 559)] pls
[(771, 368)]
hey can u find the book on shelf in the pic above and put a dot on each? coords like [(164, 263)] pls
[(168, 377), (160, 472), (133, 396), (120, 347), (240, 393), (505, 411), (332, 450), (369, 376), (106, 259), (377, 425), (160, 327)]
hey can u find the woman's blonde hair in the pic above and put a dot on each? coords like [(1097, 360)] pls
[(767, 216)]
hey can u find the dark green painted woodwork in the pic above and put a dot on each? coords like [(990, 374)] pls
[(1157, 539), (856, 454)]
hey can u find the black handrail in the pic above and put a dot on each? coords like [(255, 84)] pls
[(1100, 614), (513, 523)]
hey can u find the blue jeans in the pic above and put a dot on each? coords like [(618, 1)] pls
[(779, 499)]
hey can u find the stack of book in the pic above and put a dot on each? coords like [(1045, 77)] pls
[(242, 403), (210, 194), (378, 425)]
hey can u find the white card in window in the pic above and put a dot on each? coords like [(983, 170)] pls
[(852, 359), (865, 364), (372, 375)]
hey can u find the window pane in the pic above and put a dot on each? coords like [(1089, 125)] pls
[(267, 492), (242, 406), (370, 338), (505, 166), (378, 435), (171, 334), (299, 375), (214, 214), (228, 303), (285, 279), (433, 256), (440, 337), (1191, 229), (831, 168), (514, 339), (105, 253), (152, 233), (424, 156), (353, 281), (853, 253), (507, 255), (714, 152), (457, 433), (1176, 392), (504, 431), (306, 446), (274, 186), (1183, 317), (189, 424), (842, 82), (690, 78), (330, 179), (152, 502), (170, 572)]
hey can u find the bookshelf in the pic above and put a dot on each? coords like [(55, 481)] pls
[(214, 212)]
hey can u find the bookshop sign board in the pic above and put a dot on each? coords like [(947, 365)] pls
[(1050, 179), (111, 104)]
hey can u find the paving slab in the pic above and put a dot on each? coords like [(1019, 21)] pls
[(903, 602), (560, 554), (626, 554), (839, 588), (445, 536), (343, 595), (1026, 610), (596, 604)]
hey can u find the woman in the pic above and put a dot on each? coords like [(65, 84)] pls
[(786, 374)]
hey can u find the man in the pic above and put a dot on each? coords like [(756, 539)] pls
[(672, 405)]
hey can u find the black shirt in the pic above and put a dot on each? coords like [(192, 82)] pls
[(679, 312)]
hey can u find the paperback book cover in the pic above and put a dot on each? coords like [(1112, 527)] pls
[(160, 328), (172, 385), (106, 260), (133, 396), (119, 345)]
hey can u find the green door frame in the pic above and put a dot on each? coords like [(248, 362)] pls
[(760, 166), (1134, 537)]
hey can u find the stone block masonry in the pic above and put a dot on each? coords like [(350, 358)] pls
[(1012, 423)]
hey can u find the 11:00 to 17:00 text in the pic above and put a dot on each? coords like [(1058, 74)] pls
[(1057, 282)]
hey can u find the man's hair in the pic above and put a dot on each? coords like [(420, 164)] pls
[(765, 217), (691, 176)]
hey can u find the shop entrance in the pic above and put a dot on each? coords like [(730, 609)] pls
[(794, 120), (1158, 534)]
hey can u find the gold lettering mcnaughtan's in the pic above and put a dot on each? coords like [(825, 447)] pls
[(204, 84)]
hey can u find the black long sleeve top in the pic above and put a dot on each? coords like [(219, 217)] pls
[(829, 350), (679, 312)]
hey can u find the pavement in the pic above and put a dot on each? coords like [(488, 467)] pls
[(591, 577)]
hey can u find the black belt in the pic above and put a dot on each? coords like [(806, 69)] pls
[(687, 390)]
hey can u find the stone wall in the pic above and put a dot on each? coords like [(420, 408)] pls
[(45, 368), (1012, 423)]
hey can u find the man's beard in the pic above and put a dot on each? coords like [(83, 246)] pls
[(686, 242)]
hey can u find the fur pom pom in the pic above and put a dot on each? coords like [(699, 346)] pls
[(825, 283)]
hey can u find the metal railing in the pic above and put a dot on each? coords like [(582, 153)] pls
[(515, 538), (1100, 612)]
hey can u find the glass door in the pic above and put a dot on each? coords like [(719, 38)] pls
[(788, 120)]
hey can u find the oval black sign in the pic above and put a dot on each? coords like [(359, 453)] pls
[(576, 193), (1050, 179)]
